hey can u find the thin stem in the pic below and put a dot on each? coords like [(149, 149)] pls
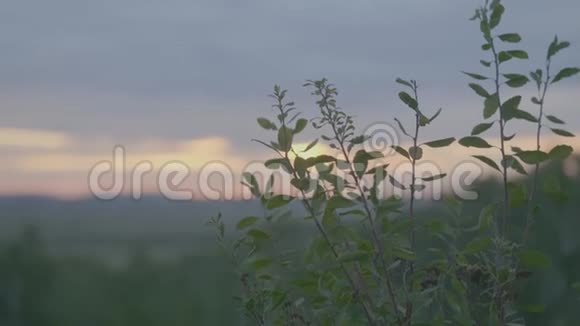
[(542, 90), (503, 226), (376, 239), (413, 169), (320, 227), (308, 206), (413, 189)]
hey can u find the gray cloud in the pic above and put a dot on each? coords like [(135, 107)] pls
[(121, 66)]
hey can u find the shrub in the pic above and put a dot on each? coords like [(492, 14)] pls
[(376, 272)]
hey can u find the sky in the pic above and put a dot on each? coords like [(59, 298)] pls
[(185, 80)]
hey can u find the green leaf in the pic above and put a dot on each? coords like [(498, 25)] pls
[(555, 120), (415, 153), (477, 245), (473, 141), (516, 149), (520, 54), (486, 47), (479, 90), (507, 161), (565, 73), (278, 201), (510, 106), (434, 177), (509, 138), (285, 136), (480, 128), (496, 15), (485, 30), (358, 140), (490, 106), (553, 48), (534, 258), (423, 120), (312, 144), (517, 166), (252, 183), (301, 184), (516, 80), (277, 163), (556, 47), (401, 127), (369, 155), (561, 152), (258, 234), (503, 56), (435, 115), (404, 82), (532, 157), (510, 37), (300, 166), (246, 222), (485, 63), (396, 183), (300, 125), (266, 124), (401, 151), (361, 161), (440, 143), (537, 76), (487, 161), (338, 202), (418, 187), (475, 76), (269, 184), (523, 115), (562, 132), (407, 99), (312, 161)]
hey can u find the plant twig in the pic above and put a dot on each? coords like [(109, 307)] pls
[(357, 291), (542, 91)]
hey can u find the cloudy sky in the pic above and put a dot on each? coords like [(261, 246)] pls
[(185, 79)]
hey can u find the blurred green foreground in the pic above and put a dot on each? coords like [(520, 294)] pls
[(153, 262)]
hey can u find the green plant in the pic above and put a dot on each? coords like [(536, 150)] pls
[(504, 256), (364, 265), (543, 79), (413, 155)]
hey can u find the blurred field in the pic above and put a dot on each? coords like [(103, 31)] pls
[(112, 263), (154, 262)]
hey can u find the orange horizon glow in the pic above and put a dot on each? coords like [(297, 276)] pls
[(56, 164)]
